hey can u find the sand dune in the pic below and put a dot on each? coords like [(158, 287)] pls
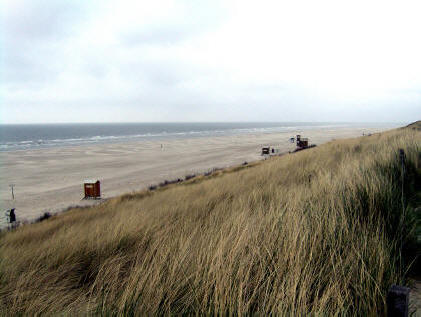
[(51, 179)]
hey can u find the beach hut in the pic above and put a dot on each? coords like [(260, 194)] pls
[(266, 150), (92, 189), (302, 142)]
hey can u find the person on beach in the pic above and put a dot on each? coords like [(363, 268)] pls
[(12, 215)]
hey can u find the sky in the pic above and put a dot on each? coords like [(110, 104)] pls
[(219, 60)]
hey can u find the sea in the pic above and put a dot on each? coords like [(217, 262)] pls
[(34, 136)]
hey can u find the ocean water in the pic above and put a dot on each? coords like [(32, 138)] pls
[(33, 136)]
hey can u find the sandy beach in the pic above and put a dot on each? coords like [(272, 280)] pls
[(52, 179)]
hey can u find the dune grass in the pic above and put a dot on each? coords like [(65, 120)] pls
[(320, 231)]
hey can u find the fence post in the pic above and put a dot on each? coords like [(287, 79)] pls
[(13, 194), (398, 301)]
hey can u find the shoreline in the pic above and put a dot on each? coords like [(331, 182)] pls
[(51, 180), (34, 145)]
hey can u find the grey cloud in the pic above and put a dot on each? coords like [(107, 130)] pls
[(23, 67), (96, 68), (41, 20), (30, 33), (158, 73)]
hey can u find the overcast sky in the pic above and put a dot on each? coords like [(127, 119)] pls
[(191, 60)]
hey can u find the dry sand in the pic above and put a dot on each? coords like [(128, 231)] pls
[(52, 179)]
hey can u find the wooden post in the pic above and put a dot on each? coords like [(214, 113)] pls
[(13, 194), (398, 301)]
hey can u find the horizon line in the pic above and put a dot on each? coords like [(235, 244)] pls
[(158, 122)]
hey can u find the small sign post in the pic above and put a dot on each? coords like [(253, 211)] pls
[(13, 194)]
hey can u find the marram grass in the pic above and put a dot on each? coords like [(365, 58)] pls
[(316, 232)]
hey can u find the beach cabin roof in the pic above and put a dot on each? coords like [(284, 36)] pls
[(90, 181)]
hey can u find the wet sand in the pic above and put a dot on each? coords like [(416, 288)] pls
[(52, 179)]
